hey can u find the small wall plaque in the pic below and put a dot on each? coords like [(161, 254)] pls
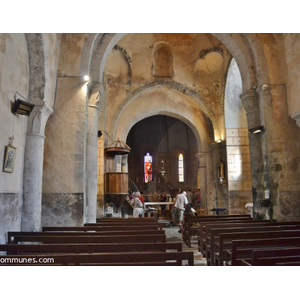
[(9, 158)]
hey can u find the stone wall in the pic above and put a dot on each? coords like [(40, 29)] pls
[(60, 209), (238, 169), (65, 142), (10, 214)]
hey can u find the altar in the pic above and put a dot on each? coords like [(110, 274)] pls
[(157, 203), (148, 209)]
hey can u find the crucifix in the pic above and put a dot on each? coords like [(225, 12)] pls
[(11, 140)]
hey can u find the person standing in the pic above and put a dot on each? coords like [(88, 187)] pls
[(190, 196), (179, 206), (197, 199), (163, 198), (137, 205), (142, 197)]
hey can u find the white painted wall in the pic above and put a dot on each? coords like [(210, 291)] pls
[(14, 78)]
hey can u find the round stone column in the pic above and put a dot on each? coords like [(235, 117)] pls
[(33, 169), (250, 101), (91, 153), (33, 174)]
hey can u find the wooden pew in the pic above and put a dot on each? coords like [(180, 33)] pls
[(12, 234), (218, 243), (190, 220), (251, 233), (221, 246), (102, 228), (123, 258), (242, 249), (190, 230), (11, 249), (205, 226), (205, 233), (270, 257), (136, 224), (129, 219), (155, 238), (78, 239), (289, 263)]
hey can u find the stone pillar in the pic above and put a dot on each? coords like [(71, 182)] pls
[(281, 154), (91, 153), (207, 181), (217, 157), (33, 169), (251, 104)]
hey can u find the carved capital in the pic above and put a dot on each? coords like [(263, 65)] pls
[(38, 119), (250, 101), (94, 93)]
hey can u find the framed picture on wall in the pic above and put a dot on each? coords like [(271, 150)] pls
[(9, 158)]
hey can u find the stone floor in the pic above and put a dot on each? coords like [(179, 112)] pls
[(173, 236)]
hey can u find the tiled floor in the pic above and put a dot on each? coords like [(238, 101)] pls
[(173, 236)]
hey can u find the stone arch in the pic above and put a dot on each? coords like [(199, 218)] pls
[(238, 46), (192, 97), (128, 118), (36, 67), (267, 58), (98, 49), (85, 54), (245, 48), (127, 59)]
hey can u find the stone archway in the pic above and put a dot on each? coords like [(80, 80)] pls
[(250, 52)]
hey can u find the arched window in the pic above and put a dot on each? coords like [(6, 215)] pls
[(180, 168), (147, 167)]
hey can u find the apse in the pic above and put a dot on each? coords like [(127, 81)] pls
[(162, 139)]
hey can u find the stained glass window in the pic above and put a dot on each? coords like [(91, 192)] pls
[(180, 168), (147, 167)]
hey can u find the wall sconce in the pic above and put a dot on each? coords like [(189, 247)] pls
[(256, 130), (22, 107)]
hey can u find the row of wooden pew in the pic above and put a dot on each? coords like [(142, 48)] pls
[(236, 240), (108, 242)]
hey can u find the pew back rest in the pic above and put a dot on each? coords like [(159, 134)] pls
[(12, 234), (88, 248), (101, 228), (269, 257), (157, 238), (242, 246), (105, 258)]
